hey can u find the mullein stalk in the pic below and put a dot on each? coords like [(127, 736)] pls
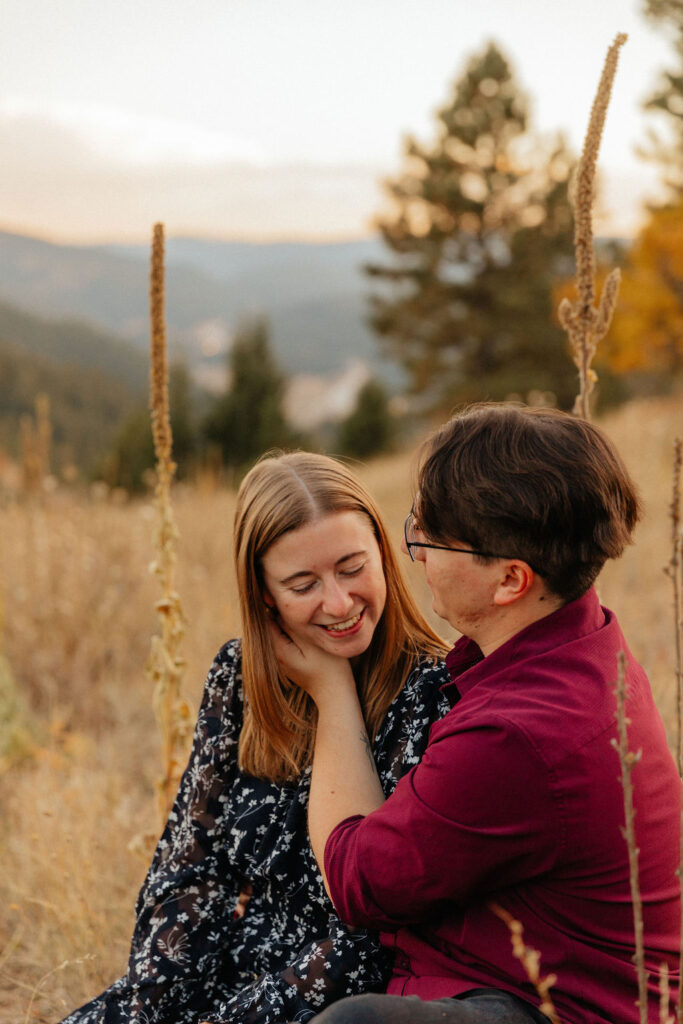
[(165, 665), (585, 324)]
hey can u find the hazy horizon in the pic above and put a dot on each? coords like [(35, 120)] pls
[(256, 122)]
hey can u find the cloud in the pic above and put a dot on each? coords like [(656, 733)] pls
[(84, 173), (131, 138), (88, 173)]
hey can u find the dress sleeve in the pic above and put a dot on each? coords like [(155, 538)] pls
[(177, 947)]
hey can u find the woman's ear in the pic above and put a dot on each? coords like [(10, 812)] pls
[(268, 600)]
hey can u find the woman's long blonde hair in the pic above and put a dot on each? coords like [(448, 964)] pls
[(282, 493)]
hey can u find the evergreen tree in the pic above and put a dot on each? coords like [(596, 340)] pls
[(645, 341), (248, 419), (132, 456), (183, 423), (131, 460), (668, 98), (481, 226), (369, 428)]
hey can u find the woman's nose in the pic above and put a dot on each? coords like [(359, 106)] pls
[(336, 600)]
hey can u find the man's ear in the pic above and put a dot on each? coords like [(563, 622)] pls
[(517, 579)]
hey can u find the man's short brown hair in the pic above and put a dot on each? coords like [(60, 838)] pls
[(538, 484)]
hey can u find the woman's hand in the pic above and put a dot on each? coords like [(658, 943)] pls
[(315, 670)]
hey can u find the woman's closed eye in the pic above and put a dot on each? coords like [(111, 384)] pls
[(352, 571), (304, 588)]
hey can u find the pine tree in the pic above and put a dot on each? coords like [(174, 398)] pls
[(131, 460), (369, 428), (481, 226), (668, 98), (248, 419), (183, 422), (646, 338)]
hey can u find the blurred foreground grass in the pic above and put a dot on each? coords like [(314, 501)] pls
[(79, 774)]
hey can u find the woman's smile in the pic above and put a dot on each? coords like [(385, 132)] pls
[(348, 628), (326, 580)]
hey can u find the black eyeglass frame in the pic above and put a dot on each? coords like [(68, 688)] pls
[(442, 547)]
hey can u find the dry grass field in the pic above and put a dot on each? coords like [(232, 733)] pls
[(78, 781)]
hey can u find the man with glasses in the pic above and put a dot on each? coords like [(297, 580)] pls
[(516, 811)]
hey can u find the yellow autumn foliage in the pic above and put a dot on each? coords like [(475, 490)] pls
[(647, 333)]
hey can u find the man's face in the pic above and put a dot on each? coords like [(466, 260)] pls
[(462, 588)]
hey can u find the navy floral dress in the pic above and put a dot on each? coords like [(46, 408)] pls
[(193, 958)]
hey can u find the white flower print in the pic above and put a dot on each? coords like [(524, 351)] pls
[(289, 955)]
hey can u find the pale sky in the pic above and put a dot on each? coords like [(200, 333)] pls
[(264, 119)]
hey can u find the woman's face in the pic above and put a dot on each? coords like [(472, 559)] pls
[(326, 581)]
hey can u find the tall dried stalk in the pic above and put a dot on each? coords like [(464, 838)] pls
[(165, 665), (36, 441), (628, 761), (43, 431), (664, 995), (7, 695), (674, 571), (585, 324), (530, 960)]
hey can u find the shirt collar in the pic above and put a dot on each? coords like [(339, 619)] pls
[(463, 656), (578, 618)]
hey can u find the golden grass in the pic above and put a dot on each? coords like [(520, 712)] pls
[(79, 611)]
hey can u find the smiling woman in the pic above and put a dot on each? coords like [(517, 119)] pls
[(325, 581), (233, 922), (306, 514)]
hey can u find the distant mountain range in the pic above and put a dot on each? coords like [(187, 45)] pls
[(74, 325), (314, 295)]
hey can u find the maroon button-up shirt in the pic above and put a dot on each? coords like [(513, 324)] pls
[(518, 801)]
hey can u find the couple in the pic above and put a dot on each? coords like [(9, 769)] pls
[(436, 791)]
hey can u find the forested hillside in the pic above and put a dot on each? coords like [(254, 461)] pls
[(313, 295), (93, 381), (72, 341)]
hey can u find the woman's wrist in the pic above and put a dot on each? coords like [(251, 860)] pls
[(337, 701)]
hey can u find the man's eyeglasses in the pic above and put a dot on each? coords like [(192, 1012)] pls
[(409, 530)]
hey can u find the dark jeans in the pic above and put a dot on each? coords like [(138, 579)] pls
[(479, 1006)]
